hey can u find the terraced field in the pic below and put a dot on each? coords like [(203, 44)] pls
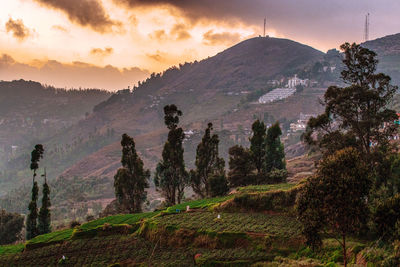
[(278, 225), (175, 237)]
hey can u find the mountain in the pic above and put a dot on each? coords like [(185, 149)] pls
[(32, 113), (388, 50), (223, 89)]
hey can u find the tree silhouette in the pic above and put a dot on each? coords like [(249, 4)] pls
[(257, 145), (31, 221), (44, 225), (171, 176), (208, 163), (275, 153), (131, 180)]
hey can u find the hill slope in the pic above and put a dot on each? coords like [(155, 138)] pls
[(388, 50), (220, 89), (32, 113)]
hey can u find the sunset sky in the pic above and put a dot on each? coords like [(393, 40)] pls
[(114, 43)]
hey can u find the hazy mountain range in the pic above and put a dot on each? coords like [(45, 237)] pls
[(222, 89)]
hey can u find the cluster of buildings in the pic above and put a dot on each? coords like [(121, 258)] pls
[(301, 123), (282, 93), (295, 81)]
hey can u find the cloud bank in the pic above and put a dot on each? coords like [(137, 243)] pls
[(77, 74)]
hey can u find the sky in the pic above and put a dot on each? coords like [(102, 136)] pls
[(112, 44)]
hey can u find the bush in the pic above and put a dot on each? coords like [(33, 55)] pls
[(274, 177), (74, 224), (218, 185), (10, 227), (279, 200), (386, 217)]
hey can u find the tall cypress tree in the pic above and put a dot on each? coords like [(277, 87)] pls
[(275, 154), (131, 180), (208, 163), (257, 144), (44, 225), (31, 221), (171, 175)]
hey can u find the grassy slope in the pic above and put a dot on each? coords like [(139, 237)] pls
[(171, 238)]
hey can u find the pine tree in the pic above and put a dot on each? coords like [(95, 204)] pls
[(131, 180), (171, 176), (257, 145), (241, 167), (44, 225), (207, 163), (275, 153), (31, 221)]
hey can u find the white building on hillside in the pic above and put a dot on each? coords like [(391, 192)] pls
[(295, 81)]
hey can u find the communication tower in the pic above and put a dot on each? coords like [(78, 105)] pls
[(366, 28)]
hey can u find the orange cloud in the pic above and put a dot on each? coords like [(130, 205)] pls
[(59, 28), (18, 29), (76, 74), (84, 12), (102, 52), (180, 32), (159, 35), (224, 38)]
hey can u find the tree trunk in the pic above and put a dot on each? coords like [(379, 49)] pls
[(344, 251)]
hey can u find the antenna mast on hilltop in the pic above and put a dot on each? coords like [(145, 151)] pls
[(265, 25), (366, 28)]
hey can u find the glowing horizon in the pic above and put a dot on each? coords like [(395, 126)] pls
[(137, 37)]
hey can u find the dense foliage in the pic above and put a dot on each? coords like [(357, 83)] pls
[(31, 221), (257, 145), (208, 164), (44, 222), (10, 227), (171, 176), (359, 169), (131, 180), (335, 200)]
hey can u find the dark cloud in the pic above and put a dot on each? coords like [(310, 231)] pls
[(89, 13), (76, 74), (224, 38), (314, 21), (18, 29), (102, 52)]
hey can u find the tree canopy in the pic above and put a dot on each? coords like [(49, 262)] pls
[(131, 180), (171, 176)]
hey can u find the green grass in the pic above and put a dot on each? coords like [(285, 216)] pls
[(118, 219), (199, 204), (52, 237), (11, 249), (277, 225), (265, 188)]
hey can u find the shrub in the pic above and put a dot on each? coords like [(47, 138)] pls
[(386, 216), (10, 227), (279, 200), (218, 185), (74, 224)]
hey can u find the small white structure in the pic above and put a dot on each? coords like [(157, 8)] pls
[(295, 81), (276, 94)]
